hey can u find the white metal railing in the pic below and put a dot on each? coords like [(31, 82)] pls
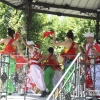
[(74, 82)]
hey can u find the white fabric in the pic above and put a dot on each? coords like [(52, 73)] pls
[(35, 52), (30, 42), (35, 76), (57, 77), (97, 76), (89, 34), (90, 51)]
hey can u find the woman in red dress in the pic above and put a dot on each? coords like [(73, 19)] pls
[(11, 46), (70, 50)]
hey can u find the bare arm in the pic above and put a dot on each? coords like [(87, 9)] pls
[(24, 42), (55, 43)]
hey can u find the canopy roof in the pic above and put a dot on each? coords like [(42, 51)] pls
[(73, 8)]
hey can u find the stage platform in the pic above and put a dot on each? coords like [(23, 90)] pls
[(29, 96)]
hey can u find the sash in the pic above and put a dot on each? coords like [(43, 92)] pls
[(9, 48), (71, 51), (50, 62), (88, 49), (71, 48), (97, 46)]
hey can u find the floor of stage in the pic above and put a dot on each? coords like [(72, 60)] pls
[(29, 96)]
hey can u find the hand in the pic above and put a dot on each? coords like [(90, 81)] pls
[(53, 35), (87, 62), (20, 35), (93, 48), (25, 57)]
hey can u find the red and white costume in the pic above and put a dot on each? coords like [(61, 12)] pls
[(95, 65), (35, 73)]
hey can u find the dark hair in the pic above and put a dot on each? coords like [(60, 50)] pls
[(70, 34), (11, 32), (50, 49)]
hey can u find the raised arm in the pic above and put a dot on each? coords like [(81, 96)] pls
[(55, 43), (24, 42)]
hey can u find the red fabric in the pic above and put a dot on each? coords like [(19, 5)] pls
[(71, 51), (38, 46), (51, 62), (47, 33), (25, 88), (9, 48), (20, 61), (89, 82), (40, 55), (33, 85), (16, 36), (97, 46), (88, 49)]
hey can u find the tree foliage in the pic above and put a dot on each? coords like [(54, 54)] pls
[(40, 23)]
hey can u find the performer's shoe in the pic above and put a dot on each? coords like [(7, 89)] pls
[(48, 93), (44, 93), (9, 93), (22, 94)]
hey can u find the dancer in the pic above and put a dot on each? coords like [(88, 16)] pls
[(49, 68), (70, 50), (35, 73), (92, 50), (11, 46)]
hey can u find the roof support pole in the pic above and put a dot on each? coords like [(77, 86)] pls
[(29, 17), (98, 26), (28, 12)]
